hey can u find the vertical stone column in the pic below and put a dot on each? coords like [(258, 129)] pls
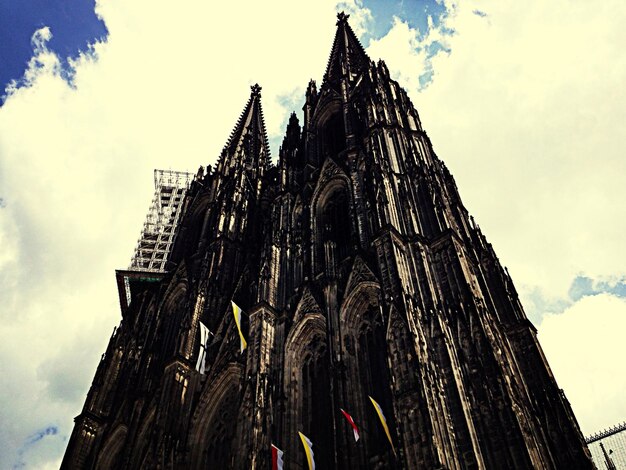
[(255, 416), (190, 340), (358, 199), (334, 347)]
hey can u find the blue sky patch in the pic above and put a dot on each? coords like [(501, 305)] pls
[(414, 12), (427, 77), (30, 441), (536, 304), (432, 50), (39, 435), (583, 286), (73, 23)]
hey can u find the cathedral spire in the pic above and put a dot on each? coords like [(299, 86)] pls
[(248, 142), (347, 57)]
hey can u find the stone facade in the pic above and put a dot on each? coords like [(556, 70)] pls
[(361, 274)]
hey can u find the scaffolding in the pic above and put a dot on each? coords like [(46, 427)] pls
[(157, 235), (608, 447)]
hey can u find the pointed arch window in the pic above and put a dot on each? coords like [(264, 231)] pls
[(218, 450), (336, 223), (374, 377), (332, 136), (214, 426), (316, 402)]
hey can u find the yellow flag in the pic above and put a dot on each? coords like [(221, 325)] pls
[(237, 313), (383, 421), (308, 450)]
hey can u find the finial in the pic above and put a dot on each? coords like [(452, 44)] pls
[(342, 18), (293, 120), (256, 90)]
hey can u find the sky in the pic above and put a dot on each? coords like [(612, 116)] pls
[(524, 101)]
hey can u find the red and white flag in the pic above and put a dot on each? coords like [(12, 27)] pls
[(355, 430), (277, 458)]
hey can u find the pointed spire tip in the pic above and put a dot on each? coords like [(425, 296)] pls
[(256, 90), (342, 17)]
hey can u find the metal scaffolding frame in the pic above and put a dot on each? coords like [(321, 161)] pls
[(608, 447), (157, 235)]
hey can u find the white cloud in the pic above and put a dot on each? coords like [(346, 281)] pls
[(361, 18), (584, 346), (529, 103), (402, 52), (409, 52)]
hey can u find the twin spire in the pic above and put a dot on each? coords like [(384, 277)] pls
[(249, 137)]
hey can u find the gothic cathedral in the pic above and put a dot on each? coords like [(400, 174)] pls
[(350, 269)]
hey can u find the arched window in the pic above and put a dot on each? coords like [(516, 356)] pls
[(316, 404), (374, 378), (171, 315), (110, 457), (367, 371), (307, 388), (427, 214), (332, 222), (218, 441), (139, 456), (335, 223), (214, 424), (332, 136)]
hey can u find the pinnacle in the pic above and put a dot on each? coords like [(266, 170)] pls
[(250, 124), (342, 17), (347, 55)]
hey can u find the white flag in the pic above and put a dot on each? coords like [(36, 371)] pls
[(204, 339)]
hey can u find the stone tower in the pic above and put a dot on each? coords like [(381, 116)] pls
[(361, 274)]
